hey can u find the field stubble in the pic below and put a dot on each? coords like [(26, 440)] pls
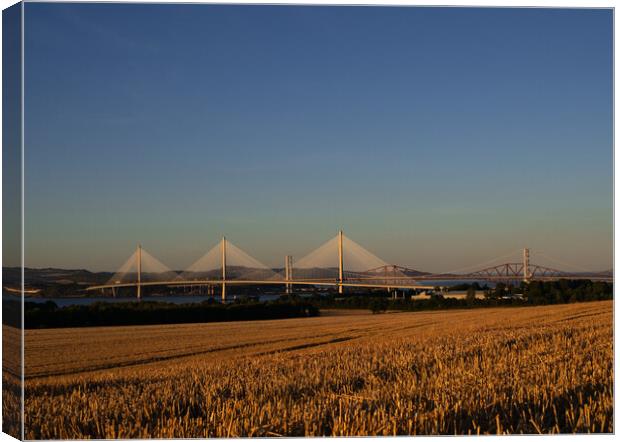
[(511, 370)]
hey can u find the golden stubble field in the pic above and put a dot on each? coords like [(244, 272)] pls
[(505, 370)]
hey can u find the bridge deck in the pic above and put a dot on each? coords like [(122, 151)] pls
[(330, 283)]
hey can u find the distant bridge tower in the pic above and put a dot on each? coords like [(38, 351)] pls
[(288, 273), (139, 258), (340, 262), (526, 265), (223, 269)]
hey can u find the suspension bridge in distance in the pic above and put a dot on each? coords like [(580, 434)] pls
[(340, 263)]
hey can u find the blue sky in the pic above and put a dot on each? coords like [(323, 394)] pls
[(436, 137)]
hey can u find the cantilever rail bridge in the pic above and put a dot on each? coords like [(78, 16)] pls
[(340, 262)]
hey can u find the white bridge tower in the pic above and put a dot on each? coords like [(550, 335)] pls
[(526, 265)]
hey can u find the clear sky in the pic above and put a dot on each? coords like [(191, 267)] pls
[(435, 137)]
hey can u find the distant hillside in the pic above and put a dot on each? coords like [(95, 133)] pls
[(42, 277)]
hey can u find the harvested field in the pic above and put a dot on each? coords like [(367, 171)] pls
[(11, 381), (504, 370)]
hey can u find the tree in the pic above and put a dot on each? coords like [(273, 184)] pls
[(500, 290), (471, 294), (378, 305)]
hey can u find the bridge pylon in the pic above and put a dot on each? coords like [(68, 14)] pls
[(139, 285), (526, 265), (340, 262), (223, 269), (288, 273)]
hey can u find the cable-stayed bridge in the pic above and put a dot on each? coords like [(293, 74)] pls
[(339, 262)]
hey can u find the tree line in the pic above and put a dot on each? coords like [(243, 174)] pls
[(49, 315), (532, 293)]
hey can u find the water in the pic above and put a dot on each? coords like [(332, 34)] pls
[(451, 282)]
